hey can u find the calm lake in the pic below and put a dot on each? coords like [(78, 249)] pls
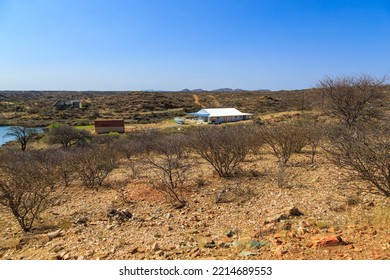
[(4, 139), (3, 132)]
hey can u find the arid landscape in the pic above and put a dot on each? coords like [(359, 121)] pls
[(302, 180)]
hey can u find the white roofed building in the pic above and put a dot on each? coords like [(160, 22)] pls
[(221, 115)]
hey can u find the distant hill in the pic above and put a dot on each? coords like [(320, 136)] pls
[(193, 90), (222, 90)]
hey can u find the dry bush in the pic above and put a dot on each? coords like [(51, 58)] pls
[(66, 165), (314, 134), (68, 136), (121, 189), (283, 140), (28, 181), (131, 150), (365, 152), (170, 164), (94, 164), (225, 148), (351, 98)]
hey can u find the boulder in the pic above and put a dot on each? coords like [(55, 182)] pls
[(325, 240), (120, 215)]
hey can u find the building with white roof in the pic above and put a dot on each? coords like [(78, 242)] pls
[(221, 115)]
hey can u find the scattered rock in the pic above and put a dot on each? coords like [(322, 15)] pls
[(331, 230), (281, 234), (33, 239), (160, 253), (57, 248), (195, 254), (279, 251), (279, 218), (229, 233), (302, 230), (169, 215), (322, 225), (156, 247), (327, 240), (293, 212), (248, 254), (210, 244), (256, 244), (267, 229), (55, 234), (82, 221), (120, 215)]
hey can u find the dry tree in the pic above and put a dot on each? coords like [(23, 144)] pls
[(169, 162), (28, 184), (351, 98), (364, 152)]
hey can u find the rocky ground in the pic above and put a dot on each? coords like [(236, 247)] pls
[(317, 215)]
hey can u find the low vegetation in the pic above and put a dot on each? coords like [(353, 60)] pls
[(236, 165)]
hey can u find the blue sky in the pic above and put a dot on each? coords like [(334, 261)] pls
[(172, 44)]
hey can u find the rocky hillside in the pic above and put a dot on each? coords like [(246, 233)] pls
[(319, 215)]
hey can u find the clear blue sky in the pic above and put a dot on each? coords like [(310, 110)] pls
[(176, 44)]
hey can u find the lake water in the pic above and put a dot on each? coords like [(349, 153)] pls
[(4, 139), (4, 130)]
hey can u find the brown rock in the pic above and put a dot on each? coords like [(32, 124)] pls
[(267, 229), (195, 254), (279, 251), (327, 240), (57, 248), (281, 234), (293, 212), (156, 247), (226, 240), (315, 231), (54, 234), (331, 230), (140, 250), (309, 244)]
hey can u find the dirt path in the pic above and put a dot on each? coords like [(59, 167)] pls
[(196, 99)]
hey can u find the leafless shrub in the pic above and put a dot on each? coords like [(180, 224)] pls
[(170, 164), (132, 149), (350, 97), (121, 189), (225, 148), (94, 164), (66, 163), (28, 182), (283, 140), (365, 152), (314, 134)]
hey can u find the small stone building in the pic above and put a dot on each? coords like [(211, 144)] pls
[(106, 126), (66, 104)]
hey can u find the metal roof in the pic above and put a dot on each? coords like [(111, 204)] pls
[(219, 112)]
